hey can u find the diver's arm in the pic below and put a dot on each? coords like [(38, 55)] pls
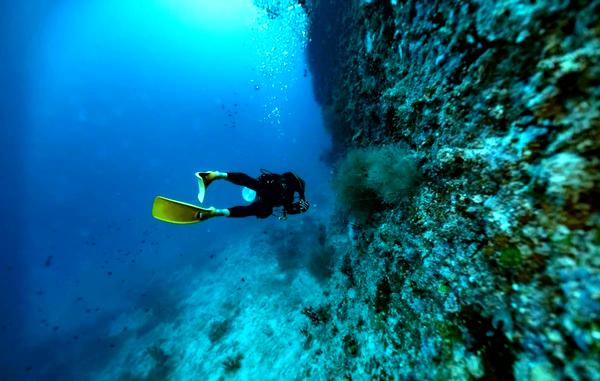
[(301, 205), (297, 207)]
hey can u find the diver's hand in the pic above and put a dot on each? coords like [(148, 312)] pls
[(283, 216), (304, 205)]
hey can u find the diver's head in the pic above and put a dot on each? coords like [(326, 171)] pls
[(296, 179)]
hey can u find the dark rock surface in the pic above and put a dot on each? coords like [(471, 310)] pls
[(491, 268)]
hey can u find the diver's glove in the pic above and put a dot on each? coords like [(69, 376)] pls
[(283, 216), (295, 208), (304, 205)]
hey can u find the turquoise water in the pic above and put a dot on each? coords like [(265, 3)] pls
[(111, 103)]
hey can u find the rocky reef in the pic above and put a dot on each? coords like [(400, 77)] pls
[(489, 267)]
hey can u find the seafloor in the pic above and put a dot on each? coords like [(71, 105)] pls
[(466, 240)]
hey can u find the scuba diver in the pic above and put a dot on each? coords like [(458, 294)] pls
[(268, 191)]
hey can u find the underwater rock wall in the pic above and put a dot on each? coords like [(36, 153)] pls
[(491, 268)]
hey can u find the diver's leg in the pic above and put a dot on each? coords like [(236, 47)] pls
[(257, 209), (206, 213), (241, 211), (242, 179), (210, 176)]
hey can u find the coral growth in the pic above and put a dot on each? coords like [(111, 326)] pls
[(218, 329), (317, 316), (302, 246), (233, 363), (370, 178)]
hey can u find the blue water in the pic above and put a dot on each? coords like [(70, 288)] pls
[(107, 104)]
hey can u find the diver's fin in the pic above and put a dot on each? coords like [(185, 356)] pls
[(177, 212), (204, 180), (202, 185)]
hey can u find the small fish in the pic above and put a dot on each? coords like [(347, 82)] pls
[(48, 262)]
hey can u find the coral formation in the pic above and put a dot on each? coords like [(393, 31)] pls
[(318, 316), (217, 330), (489, 268), (367, 179), (161, 367), (300, 246), (233, 363)]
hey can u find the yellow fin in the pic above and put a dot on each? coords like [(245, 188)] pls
[(177, 212)]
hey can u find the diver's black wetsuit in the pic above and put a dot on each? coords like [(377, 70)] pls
[(272, 190)]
